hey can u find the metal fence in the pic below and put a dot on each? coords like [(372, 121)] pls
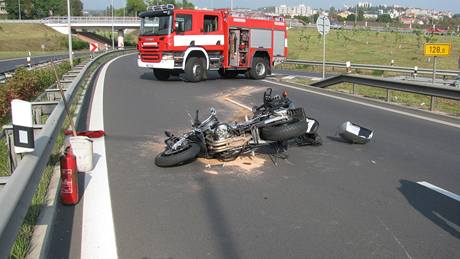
[(16, 196), (408, 70)]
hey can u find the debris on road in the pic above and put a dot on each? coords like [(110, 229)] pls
[(354, 133)]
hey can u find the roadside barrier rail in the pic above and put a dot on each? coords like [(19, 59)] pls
[(16, 195), (393, 84), (409, 70)]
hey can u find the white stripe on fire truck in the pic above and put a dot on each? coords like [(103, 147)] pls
[(200, 40)]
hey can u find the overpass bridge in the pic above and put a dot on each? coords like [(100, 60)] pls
[(60, 23)]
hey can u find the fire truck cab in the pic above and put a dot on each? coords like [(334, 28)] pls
[(175, 41)]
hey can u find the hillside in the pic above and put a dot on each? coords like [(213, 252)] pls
[(19, 37), (406, 49)]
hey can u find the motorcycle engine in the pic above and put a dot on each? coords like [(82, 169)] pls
[(221, 132), (223, 140)]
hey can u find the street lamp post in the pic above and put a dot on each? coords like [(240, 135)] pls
[(113, 31), (69, 34), (19, 6)]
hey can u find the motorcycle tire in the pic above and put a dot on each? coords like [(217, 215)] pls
[(284, 131), (179, 158)]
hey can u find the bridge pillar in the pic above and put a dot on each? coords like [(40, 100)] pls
[(121, 38)]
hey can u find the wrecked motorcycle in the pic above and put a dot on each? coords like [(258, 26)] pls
[(276, 120)]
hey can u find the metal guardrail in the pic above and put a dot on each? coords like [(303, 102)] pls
[(44, 60), (392, 84), (374, 67), (16, 196)]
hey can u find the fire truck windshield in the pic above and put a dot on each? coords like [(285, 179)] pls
[(156, 25)]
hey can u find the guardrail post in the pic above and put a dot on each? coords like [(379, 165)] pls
[(353, 89), (388, 95), (432, 103)]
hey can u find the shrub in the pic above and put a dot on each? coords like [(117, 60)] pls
[(28, 84)]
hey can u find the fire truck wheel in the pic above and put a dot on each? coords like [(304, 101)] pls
[(194, 69), (161, 74), (258, 69)]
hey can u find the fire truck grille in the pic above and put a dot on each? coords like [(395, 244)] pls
[(151, 57)]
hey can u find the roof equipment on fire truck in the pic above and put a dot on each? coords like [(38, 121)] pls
[(163, 7)]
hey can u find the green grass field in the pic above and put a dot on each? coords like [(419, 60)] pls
[(17, 39), (23, 37), (369, 47)]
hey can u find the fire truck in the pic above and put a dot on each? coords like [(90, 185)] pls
[(193, 42)]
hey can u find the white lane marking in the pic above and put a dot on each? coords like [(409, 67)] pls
[(239, 104), (369, 105), (440, 190), (396, 239), (98, 231)]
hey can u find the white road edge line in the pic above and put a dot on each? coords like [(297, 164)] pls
[(98, 231), (368, 104), (239, 104), (440, 190)]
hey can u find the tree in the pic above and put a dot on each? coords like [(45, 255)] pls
[(315, 17), (305, 19), (179, 4), (332, 12), (351, 17), (77, 7), (36, 9), (360, 15), (133, 7), (384, 18)]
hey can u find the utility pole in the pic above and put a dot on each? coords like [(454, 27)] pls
[(19, 6), (113, 31), (231, 4), (69, 34), (356, 14)]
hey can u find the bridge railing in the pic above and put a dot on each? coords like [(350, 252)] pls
[(90, 19)]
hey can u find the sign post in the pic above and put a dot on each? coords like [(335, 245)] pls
[(324, 26), (436, 50)]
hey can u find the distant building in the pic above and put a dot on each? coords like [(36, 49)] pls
[(3, 7), (299, 10), (364, 5)]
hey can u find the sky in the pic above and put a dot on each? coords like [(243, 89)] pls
[(445, 5)]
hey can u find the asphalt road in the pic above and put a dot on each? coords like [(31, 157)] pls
[(333, 201), (12, 64)]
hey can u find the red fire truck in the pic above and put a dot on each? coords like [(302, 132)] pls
[(174, 41)]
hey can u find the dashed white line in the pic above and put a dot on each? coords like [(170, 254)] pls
[(440, 190), (368, 104)]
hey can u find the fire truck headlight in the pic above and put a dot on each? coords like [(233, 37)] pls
[(168, 56)]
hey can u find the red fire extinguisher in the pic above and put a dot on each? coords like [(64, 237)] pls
[(69, 178)]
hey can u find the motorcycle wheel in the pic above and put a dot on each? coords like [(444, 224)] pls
[(284, 131), (178, 158)]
